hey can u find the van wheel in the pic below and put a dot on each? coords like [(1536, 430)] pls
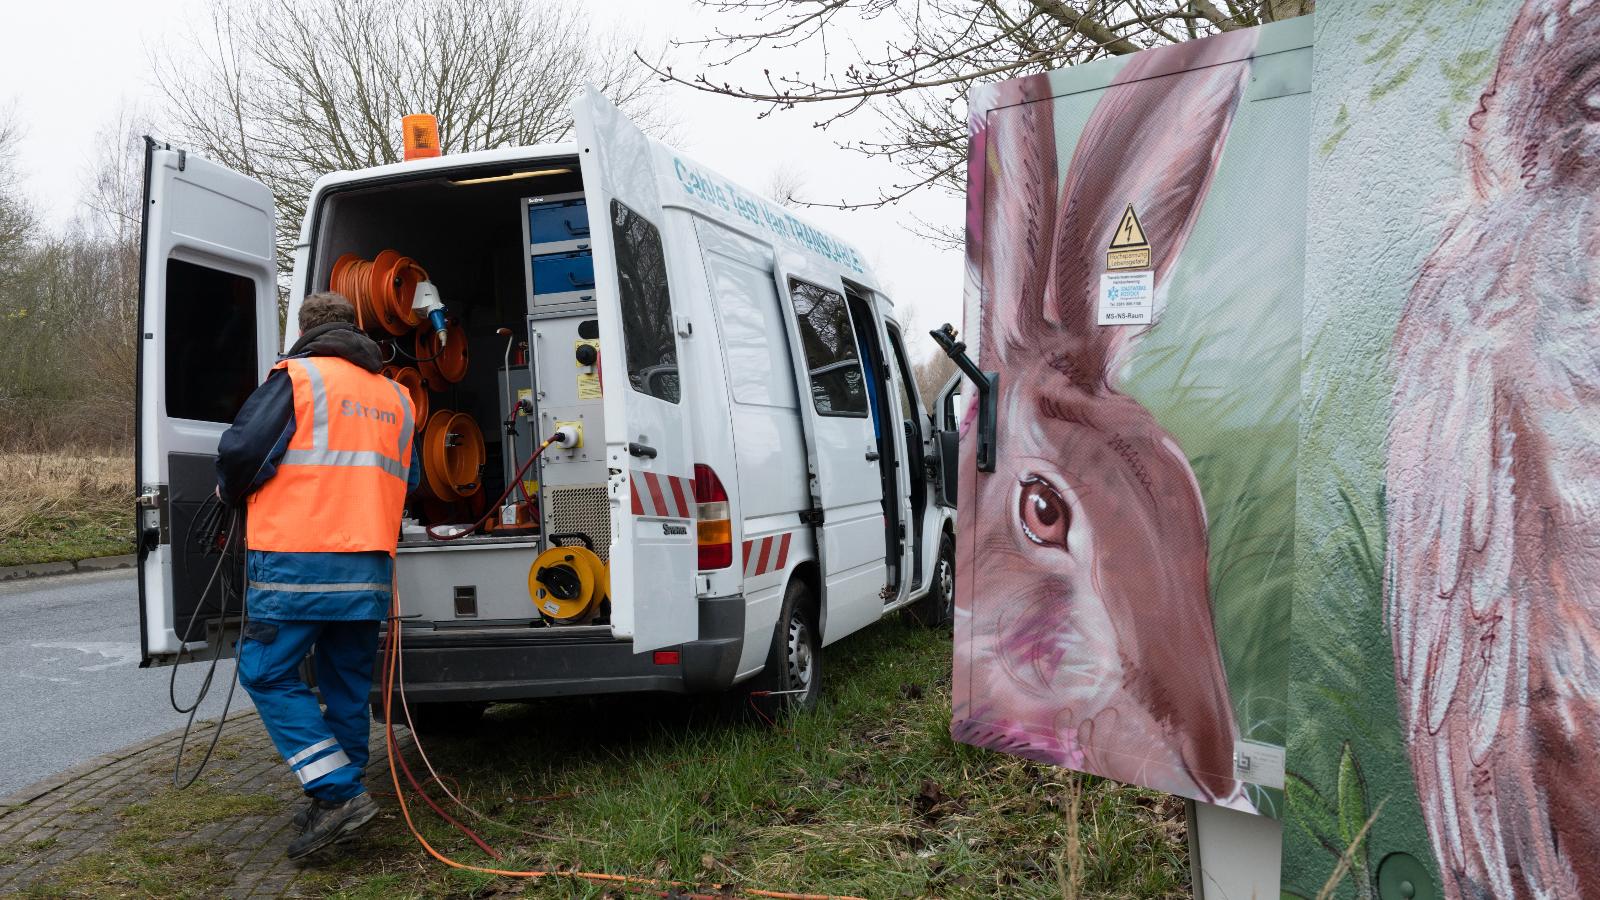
[(793, 674), (938, 608)]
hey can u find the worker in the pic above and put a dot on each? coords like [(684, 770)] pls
[(323, 454)]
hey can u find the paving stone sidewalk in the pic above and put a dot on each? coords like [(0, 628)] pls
[(83, 832)]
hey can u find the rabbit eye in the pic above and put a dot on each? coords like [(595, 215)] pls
[(1044, 515)]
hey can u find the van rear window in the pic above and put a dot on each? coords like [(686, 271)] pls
[(837, 386), (647, 336), (210, 341)]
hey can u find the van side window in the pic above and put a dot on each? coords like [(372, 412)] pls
[(652, 348), (211, 342), (759, 370), (837, 385)]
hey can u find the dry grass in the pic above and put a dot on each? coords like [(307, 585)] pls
[(60, 505)]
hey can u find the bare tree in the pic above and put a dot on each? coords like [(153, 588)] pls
[(936, 51), (17, 220), (931, 374), (784, 185), (104, 240), (69, 300), (291, 90)]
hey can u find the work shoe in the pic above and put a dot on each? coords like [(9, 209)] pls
[(303, 815), (329, 823)]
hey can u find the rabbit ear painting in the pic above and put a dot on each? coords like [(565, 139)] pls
[(1086, 630)]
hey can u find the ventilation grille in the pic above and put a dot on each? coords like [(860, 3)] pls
[(582, 510)]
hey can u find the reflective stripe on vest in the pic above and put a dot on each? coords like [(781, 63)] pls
[(341, 484)]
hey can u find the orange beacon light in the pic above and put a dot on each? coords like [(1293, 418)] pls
[(421, 131)]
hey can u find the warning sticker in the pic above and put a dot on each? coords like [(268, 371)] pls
[(588, 378), (1129, 248), (1127, 298)]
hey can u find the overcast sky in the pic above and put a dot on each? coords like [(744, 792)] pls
[(70, 65)]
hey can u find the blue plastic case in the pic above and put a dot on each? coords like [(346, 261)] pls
[(558, 222), (563, 273)]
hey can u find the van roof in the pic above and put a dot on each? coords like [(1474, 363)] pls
[(517, 155), (446, 162)]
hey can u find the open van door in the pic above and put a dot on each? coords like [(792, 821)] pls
[(654, 552), (841, 449), (208, 332), (948, 409)]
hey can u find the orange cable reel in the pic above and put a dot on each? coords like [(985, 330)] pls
[(401, 281), (409, 378), (445, 364), (453, 455), (379, 288)]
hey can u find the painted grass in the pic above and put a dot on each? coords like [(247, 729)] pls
[(64, 506), (866, 796)]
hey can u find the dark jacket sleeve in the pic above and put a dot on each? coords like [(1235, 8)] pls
[(414, 474), (249, 451)]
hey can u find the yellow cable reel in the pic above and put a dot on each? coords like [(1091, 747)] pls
[(568, 583)]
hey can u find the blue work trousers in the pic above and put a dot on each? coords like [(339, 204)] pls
[(326, 750)]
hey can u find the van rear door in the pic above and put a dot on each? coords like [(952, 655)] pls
[(208, 323), (653, 542), (841, 449)]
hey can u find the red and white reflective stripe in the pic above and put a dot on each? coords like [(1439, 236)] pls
[(768, 554), (667, 496)]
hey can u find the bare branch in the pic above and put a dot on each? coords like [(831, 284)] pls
[(290, 90), (932, 53)]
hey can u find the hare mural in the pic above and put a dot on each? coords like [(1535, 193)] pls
[(1493, 571), (1087, 638)]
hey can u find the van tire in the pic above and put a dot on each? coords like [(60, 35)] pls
[(794, 661), (938, 608)]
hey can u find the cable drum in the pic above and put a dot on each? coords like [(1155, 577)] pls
[(567, 584), (442, 365), (410, 379), (452, 456), (380, 289)]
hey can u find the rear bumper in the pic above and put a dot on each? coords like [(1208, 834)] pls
[(503, 664)]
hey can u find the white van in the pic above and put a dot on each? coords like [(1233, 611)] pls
[(745, 367)]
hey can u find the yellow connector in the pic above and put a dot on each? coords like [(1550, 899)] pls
[(573, 428)]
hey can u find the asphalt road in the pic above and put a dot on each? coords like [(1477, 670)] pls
[(70, 683)]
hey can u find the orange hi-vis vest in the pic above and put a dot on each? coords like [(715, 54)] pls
[(341, 485)]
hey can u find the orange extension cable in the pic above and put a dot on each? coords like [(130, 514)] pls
[(649, 886)]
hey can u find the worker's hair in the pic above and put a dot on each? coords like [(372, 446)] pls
[(324, 307)]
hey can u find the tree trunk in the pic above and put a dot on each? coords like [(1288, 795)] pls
[(1278, 10)]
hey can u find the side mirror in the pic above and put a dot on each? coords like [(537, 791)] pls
[(988, 385)]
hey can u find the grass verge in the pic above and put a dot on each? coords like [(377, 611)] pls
[(64, 506), (866, 796)]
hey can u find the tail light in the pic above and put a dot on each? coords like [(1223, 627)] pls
[(715, 530)]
